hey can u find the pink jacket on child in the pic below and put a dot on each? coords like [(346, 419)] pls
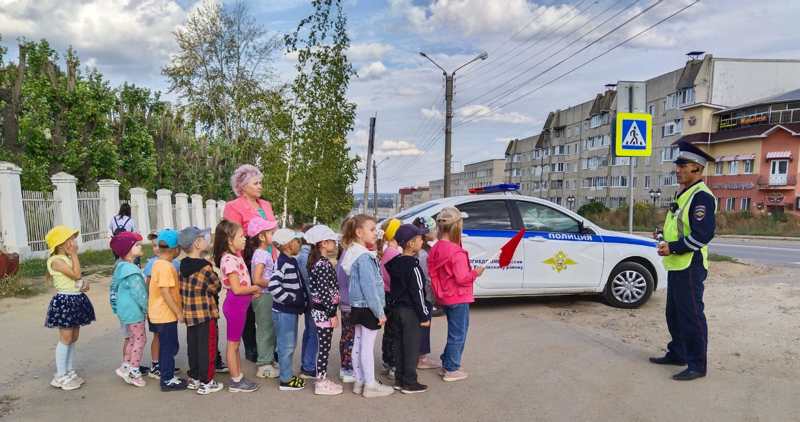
[(451, 274)]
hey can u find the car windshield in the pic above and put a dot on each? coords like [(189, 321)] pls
[(415, 210)]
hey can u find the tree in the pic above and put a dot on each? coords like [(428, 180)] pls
[(323, 113)]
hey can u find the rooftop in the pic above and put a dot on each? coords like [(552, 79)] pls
[(789, 96)]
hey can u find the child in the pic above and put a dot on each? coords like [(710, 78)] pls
[(164, 310), (128, 294), (429, 224), (367, 301), (70, 308), (410, 310), (308, 353), (348, 329), (288, 290), (200, 286), (259, 233), (452, 278), (229, 242), (387, 250), (324, 301)]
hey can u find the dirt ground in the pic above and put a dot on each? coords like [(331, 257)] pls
[(566, 358)]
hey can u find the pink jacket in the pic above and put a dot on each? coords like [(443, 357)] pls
[(388, 254), (240, 212), (451, 274)]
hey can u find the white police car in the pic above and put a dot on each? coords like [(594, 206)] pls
[(561, 252)]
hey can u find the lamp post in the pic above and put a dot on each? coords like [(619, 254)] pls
[(654, 195), (448, 123), (571, 201)]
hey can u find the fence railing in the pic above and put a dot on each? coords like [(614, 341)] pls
[(40, 216), (89, 205)]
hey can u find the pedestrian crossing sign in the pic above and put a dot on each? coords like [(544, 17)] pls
[(634, 137)]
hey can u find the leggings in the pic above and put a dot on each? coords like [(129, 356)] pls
[(134, 348), (364, 354), (324, 338), (346, 341)]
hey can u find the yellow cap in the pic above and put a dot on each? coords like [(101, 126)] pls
[(58, 235), (391, 228)]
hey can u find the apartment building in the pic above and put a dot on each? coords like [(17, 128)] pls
[(474, 175), (412, 196)]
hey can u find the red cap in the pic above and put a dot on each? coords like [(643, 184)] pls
[(122, 243)]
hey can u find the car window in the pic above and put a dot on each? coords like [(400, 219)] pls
[(539, 217), (486, 215)]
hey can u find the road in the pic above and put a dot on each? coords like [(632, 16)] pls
[(772, 252)]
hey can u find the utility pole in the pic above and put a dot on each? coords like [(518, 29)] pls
[(375, 187), (370, 148), (448, 123)]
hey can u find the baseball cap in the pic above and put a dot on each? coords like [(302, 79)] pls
[(168, 237), (122, 242), (319, 233), (187, 236), (284, 236), (449, 215), (258, 225), (407, 232)]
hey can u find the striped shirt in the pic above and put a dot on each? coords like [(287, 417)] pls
[(287, 286)]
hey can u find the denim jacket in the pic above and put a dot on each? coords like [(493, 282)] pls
[(366, 283)]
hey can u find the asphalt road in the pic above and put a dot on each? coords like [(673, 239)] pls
[(774, 252)]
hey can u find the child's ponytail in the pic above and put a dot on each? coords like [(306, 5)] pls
[(350, 226)]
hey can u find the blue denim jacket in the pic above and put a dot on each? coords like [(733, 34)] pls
[(366, 285)]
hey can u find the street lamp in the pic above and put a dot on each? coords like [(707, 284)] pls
[(571, 201), (448, 123), (654, 195)]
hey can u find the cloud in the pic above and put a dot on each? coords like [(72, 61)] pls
[(482, 112), (432, 113), (364, 52), (372, 71), (358, 138), (392, 148)]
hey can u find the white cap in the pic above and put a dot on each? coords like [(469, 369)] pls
[(284, 236), (319, 233)]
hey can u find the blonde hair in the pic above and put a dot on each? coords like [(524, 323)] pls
[(350, 226), (451, 230)]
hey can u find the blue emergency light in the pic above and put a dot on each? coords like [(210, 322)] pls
[(502, 187)]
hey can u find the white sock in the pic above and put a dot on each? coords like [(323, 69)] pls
[(70, 357), (237, 379), (62, 351)]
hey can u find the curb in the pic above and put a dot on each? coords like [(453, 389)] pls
[(738, 236)]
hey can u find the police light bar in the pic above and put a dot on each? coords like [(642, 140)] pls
[(503, 187)]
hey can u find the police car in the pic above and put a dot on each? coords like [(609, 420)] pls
[(561, 252)]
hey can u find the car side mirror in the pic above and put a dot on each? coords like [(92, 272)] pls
[(583, 229)]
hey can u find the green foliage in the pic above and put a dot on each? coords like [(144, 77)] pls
[(592, 208)]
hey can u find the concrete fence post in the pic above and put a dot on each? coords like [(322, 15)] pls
[(220, 210), (182, 211), (141, 211), (164, 209), (198, 218), (109, 194), (12, 215), (66, 192), (211, 214)]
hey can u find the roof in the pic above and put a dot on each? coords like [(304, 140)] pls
[(689, 74), (788, 96), (603, 102), (759, 131)]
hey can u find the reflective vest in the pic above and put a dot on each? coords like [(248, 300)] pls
[(677, 226)]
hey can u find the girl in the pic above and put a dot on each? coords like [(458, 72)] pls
[(70, 308), (129, 302), (324, 301), (228, 245), (348, 329), (452, 278), (259, 232), (367, 301), (387, 250), (428, 223)]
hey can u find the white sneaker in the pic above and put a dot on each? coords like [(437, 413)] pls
[(211, 387), (358, 387), (347, 378), (192, 384), (57, 381), (123, 373), (267, 371), (377, 390), (73, 374), (68, 383), (326, 387)]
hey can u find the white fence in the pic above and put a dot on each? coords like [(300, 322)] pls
[(23, 228)]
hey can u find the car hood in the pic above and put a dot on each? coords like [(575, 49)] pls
[(627, 238)]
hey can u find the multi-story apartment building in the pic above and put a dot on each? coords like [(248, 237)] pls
[(412, 196), (571, 162), (474, 175)]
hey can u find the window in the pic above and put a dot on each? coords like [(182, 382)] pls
[(621, 161), (647, 181), (672, 128), (718, 168), (748, 167), (745, 204), (515, 158), (670, 179), (486, 215), (730, 204), (733, 168), (619, 181), (651, 110), (669, 153), (538, 217), (587, 182), (559, 132), (595, 122), (685, 96), (671, 102), (558, 167), (516, 172)]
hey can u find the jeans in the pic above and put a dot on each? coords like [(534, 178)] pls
[(308, 362), (286, 332), (457, 325), (168, 348), (265, 330)]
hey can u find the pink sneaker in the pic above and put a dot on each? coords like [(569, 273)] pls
[(326, 387), (425, 362), (451, 376)]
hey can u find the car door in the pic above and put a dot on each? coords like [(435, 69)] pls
[(557, 254), (487, 226)]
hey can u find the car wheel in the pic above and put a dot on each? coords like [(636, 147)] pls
[(629, 285)]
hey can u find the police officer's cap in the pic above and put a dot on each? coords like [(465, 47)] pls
[(691, 154)]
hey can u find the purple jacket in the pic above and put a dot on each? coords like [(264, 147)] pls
[(344, 287)]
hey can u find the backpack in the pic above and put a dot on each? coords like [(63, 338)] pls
[(119, 229)]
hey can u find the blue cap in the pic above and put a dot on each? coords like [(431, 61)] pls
[(407, 232), (168, 237)]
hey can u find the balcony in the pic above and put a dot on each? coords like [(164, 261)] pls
[(777, 181)]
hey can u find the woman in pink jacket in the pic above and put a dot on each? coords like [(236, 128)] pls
[(452, 278)]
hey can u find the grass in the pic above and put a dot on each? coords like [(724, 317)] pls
[(721, 258)]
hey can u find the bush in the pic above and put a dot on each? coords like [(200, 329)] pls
[(15, 286), (592, 208)]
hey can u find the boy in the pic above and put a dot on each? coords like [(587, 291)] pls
[(289, 300), (410, 310), (163, 307), (200, 286), (154, 371)]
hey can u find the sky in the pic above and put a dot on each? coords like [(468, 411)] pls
[(533, 46)]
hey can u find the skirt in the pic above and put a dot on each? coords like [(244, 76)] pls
[(69, 311), (365, 317)]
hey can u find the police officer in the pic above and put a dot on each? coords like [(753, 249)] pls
[(688, 229)]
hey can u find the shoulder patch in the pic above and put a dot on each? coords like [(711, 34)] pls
[(699, 212)]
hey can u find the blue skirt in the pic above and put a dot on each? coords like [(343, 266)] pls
[(69, 311)]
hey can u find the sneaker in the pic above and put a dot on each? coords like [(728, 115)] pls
[(307, 375), (326, 387), (267, 371), (123, 373), (67, 383), (137, 379), (414, 388), (144, 370), (192, 384), (154, 373), (57, 381), (377, 390), (389, 373), (426, 362), (397, 385), (220, 367), (450, 376), (293, 384), (74, 375), (242, 386), (347, 377), (175, 384), (211, 387), (358, 387), (177, 370)]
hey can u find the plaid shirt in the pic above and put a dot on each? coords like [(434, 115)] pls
[(200, 296)]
